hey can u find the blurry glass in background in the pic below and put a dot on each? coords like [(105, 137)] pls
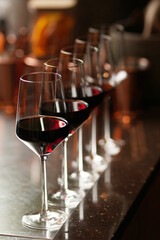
[(129, 94), (132, 75)]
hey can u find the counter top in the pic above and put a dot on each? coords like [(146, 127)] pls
[(105, 207)]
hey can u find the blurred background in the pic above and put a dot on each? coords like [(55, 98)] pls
[(33, 30)]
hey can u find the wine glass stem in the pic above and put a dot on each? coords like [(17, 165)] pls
[(65, 167), (80, 150), (93, 135), (107, 118), (44, 186)]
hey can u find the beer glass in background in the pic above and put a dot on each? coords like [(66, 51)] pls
[(141, 87), (129, 94)]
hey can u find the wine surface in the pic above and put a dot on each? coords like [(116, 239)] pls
[(42, 133), (94, 96), (76, 112)]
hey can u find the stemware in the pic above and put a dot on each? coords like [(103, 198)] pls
[(94, 95), (108, 74), (93, 75), (110, 53), (41, 134), (77, 111)]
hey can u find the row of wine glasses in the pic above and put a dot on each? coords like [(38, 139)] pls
[(94, 96), (44, 98), (77, 111), (55, 103), (109, 40)]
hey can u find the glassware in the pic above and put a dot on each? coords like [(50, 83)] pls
[(108, 75), (110, 60), (94, 96), (94, 79), (127, 108), (77, 111), (41, 134)]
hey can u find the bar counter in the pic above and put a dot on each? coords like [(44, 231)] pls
[(107, 207)]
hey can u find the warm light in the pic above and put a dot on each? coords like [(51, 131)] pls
[(144, 63), (126, 119), (33, 61), (49, 4), (106, 75), (98, 76), (104, 195), (9, 109)]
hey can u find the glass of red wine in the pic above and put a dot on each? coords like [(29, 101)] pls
[(42, 134), (94, 96), (80, 177), (76, 113), (112, 74), (94, 79)]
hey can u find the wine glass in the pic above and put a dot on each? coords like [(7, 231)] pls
[(94, 79), (112, 74), (41, 134), (94, 96), (77, 111), (84, 179), (108, 74)]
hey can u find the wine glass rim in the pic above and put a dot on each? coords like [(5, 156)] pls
[(65, 51), (24, 76), (47, 63)]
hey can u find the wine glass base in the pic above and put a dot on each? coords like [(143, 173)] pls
[(83, 179), (53, 220), (111, 146), (66, 199), (96, 163)]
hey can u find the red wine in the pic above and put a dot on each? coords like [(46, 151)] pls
[(108, 88), (94, 96), (76, 112), (42, 133)]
